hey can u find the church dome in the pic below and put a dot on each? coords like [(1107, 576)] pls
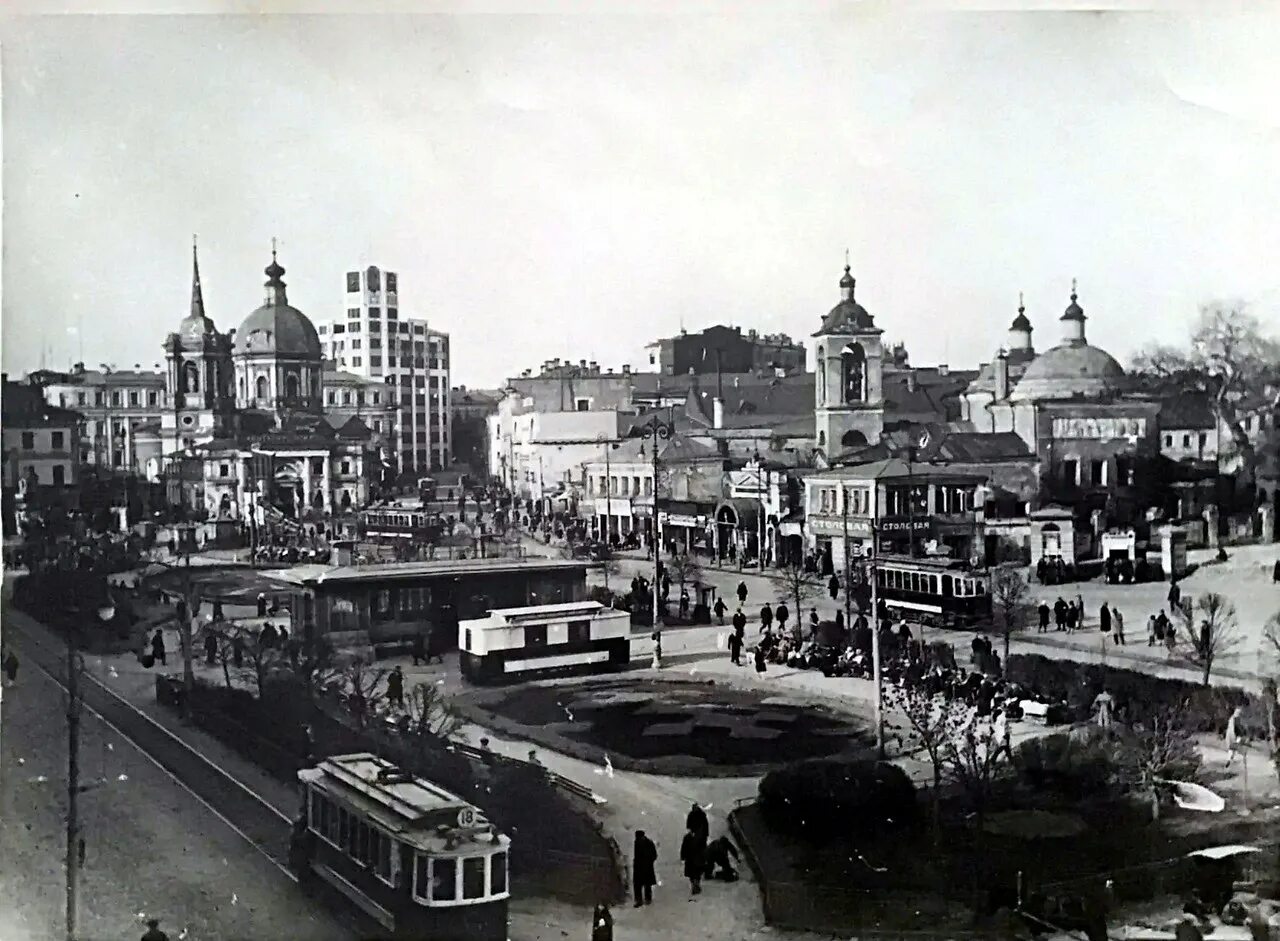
[(1068, 370), (277, 328), (848, 316)]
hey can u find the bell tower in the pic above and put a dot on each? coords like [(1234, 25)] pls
[(848, 357)]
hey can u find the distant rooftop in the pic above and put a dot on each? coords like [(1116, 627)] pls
[(402, 571)]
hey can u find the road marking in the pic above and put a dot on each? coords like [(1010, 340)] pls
[(146, 754), (207, 760)]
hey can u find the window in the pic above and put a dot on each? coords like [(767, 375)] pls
[(374, 312), (353, 327), (331, 397), (535, 635), (322, 329), (356, 362), (392, 313), (648, 486), (99, 399), (1097, 472), (28, 441), (152, 398), (56, 440), (375, 360), (444, 880), (1186, 441), (346, 467), (1070, 473), (377, 425), (355, 344), (353, 281), (133, 398), (579, 632), (497, 873), (115, 398), (339, 328), (1203, 440), (404, 328), (473, 877), (224, 470), (391, 281), (466, 639), (81, 398), (1168, 441), (375, 343), (59, 475), (346, 397), (377, 397)]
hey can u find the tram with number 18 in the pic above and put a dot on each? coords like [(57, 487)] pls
[(938, 592), (417, 860), (580, 636)]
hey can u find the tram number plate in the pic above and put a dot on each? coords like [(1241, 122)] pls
[(466, 817)]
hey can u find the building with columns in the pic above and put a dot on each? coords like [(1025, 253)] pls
[(245, 435), (114, 402)]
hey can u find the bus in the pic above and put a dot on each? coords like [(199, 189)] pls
[(414, 858), (578, 636), (938, 592)]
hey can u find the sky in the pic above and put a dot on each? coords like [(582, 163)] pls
[(580, 185)]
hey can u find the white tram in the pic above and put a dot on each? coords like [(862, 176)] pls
[(420, 861), (577, 636)]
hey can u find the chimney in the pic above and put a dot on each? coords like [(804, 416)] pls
[(1002, 376), (626, 369), (582, 364), (944, 369), (717, 412), (911, 381)]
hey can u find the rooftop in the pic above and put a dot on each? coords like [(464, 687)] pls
[(895, 468), (403, 571)]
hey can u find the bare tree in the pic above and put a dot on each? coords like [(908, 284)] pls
[(800, 586), (361, 681), (1270, 701), (1009, 597), (1211, 625), (261, 657), (1229, 358), (430, 715), (222, 653), (1152, 749), (684, 569), (975, 751), (933, 722)]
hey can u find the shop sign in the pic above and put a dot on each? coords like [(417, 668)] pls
[(902, 526)]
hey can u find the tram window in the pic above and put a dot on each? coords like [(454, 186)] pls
[(421, 877), (383, 605), (535, 635), (316, 802), (444, 880), (344, 828), (382, 855), (946, 585), (473, 877), (579, 632), (933, 584), (915, 581), (466, 639), (497, 873)]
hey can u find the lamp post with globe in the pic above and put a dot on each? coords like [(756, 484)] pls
[(656, 431)]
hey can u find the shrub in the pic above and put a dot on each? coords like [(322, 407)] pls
[(1072, 766), (823, 798), (1202, 709)]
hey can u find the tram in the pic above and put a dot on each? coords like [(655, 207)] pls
[(939, 592), (391, 524), (416, 859), (579, 636)]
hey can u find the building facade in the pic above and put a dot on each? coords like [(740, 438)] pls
[(726, 349), (848, 359), (114, 402), (41, 452), (374, 341)]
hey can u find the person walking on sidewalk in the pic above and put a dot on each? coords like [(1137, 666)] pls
[(395, 688), (601, 923), (644, 859), (766, 618), (696, 822), (1080, 612), (692, 853), (720, 609), (742, 593), (1043, 612), (157, 647), (833, 587), (1104, 619), (782, 614), (1151, 630), (1117, 624), (735, 649), (1075, 614), (739, 624)]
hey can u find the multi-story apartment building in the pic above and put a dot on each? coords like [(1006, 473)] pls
[(41, 444), (375, 342), (114, 402), (348, 396)]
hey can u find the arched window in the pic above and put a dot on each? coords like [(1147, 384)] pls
[(822, 439), (190, 378), (262, 389), (853, 373), (821, 366), (242, 387), (291, 386)]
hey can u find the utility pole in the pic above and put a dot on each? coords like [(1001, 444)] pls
[(657, 431), (73, 782), (875, 630), (848, 558)]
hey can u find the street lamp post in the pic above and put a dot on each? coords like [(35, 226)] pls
[(875, 644), (656, 431)]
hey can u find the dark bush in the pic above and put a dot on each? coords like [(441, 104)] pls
[(1074, 767), (1203, 709), (826, 797)]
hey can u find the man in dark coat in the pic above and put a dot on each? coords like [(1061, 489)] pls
[(766, 617), (739, 623), (735, 649), (644, 856), (720, 609), (696, 822), (742, 590), (1059, 613), (419, 648), (153, 932), (1104, 619), (157, 647), (1275, 573), (833, 587), (782, 614), (717, 858), (1175, 593), (693, 850), (395, 687), (210, 647)]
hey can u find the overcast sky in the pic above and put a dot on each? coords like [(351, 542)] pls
[(578, 186)]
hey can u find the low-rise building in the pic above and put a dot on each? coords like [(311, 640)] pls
[(114, 403), (42, 455)]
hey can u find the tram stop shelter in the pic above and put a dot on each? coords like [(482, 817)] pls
[(363, 606)]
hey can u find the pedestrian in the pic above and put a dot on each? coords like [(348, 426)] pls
[(739, 624), (1060, 613), (720, 609), (1073, 617), (644, 876), (601, 923), (262, 604), (1104, 619), (217, 609), (759, 658), (813, 622), (766, 617), (1043, 612), (419, 648), (210, 647), (153, 932), (735, 648), (157, 647), (1102, 706), (684, 602), (717, 857), (1153, 630), (1170, 639), (1080, 612), (237, 650), (267, 637), (282, 637), (395, 688), (692, 852), (1232, 736), (833, 586), (1117, 624), (840, 622), (696, 822), (1175, 593), (10, 664), (742, 591), (781, 614)]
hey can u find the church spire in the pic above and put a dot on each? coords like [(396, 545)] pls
[(197, 295), (275, 286)]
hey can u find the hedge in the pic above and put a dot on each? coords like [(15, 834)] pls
[(822, 798), (1203, 708)]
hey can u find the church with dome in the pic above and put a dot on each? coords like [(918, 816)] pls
[(244, 434)]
